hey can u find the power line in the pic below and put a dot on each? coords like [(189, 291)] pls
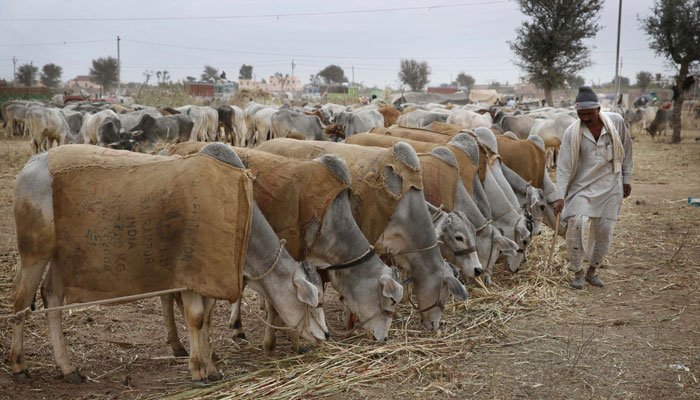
[(54, 43), (251, 16)]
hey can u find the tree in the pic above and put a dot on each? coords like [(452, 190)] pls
[(105, 72), (414, 74), (246, 72), (51, 75), (26, 74), (210, 73), (644, 79), (495, 85), (315, 80), (190, 79), (575, 81), (674, 32), (465, 80), (333, 74), (163, 77), (549, 48), (624, 81)]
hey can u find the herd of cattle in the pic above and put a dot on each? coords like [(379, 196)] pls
[(439, 192)]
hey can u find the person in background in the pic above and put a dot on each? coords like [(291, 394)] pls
[(594, 174)]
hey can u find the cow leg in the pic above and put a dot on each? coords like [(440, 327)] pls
[(26, 283), (197, 313), (53, 293), (270, 341), (166, 302), (234, 321)]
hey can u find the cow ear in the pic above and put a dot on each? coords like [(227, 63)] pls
[(506, 246), (306, 292), (114, 145), (456, 288), (391, 288)]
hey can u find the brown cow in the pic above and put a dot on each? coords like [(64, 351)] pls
[(390, 114)]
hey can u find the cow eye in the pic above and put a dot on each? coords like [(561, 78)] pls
[(459, 239), (542, 207)]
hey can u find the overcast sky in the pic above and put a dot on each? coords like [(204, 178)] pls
[(462, 35)]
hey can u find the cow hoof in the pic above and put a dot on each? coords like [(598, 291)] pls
[(215, 376), (240, 335), (487, 281), (180, 353), (303, 349), (21, 377), (74, 377), (215, 357)]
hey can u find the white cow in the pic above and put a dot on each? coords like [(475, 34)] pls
[(46, 125), (470, 119), (88, 131)]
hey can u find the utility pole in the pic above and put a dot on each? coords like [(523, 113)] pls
[(14, 71), (617, 55), (119, 67), (353, 74), (292, 77)]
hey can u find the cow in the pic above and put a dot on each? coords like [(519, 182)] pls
[(645, 116), (131, 119), (330, 239), (489, 240), (212, 118), (470, 119), (421, 118), (287, 123), (350, 123), (46, 125), (390, 115), (200, 119), (250, 110), (38, 248), (153, 133), (660, 123), (518, 124), (392, 214), (74, 120), (551, 130), (88, 130), (262, 121)]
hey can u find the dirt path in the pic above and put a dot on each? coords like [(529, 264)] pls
[(637, 338)]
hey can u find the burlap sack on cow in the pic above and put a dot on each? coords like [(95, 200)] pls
[(439, 181), (372, 202), (290, 193), (129, 223)]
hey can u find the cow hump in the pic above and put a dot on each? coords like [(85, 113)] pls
[(337, 166), (223, 153), (445, 155), (467, 143), (404, 152)]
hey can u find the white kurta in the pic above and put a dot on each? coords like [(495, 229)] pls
[(595, 191)]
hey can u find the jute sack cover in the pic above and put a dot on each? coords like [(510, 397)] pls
[(371, 201), (439, 181), (524, 157), (129, 223), (447, 129), (290, 193), (467, 169), (423, 135)]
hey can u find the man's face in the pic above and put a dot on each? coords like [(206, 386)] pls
[(588, 116)]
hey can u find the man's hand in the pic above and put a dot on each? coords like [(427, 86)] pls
[(626, 190), (558, 205)]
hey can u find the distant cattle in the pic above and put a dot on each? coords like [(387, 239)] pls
[(660, 123)]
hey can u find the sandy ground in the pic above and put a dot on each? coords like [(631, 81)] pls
[(637, 338)]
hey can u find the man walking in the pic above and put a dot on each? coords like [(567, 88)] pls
[(594, 172)]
